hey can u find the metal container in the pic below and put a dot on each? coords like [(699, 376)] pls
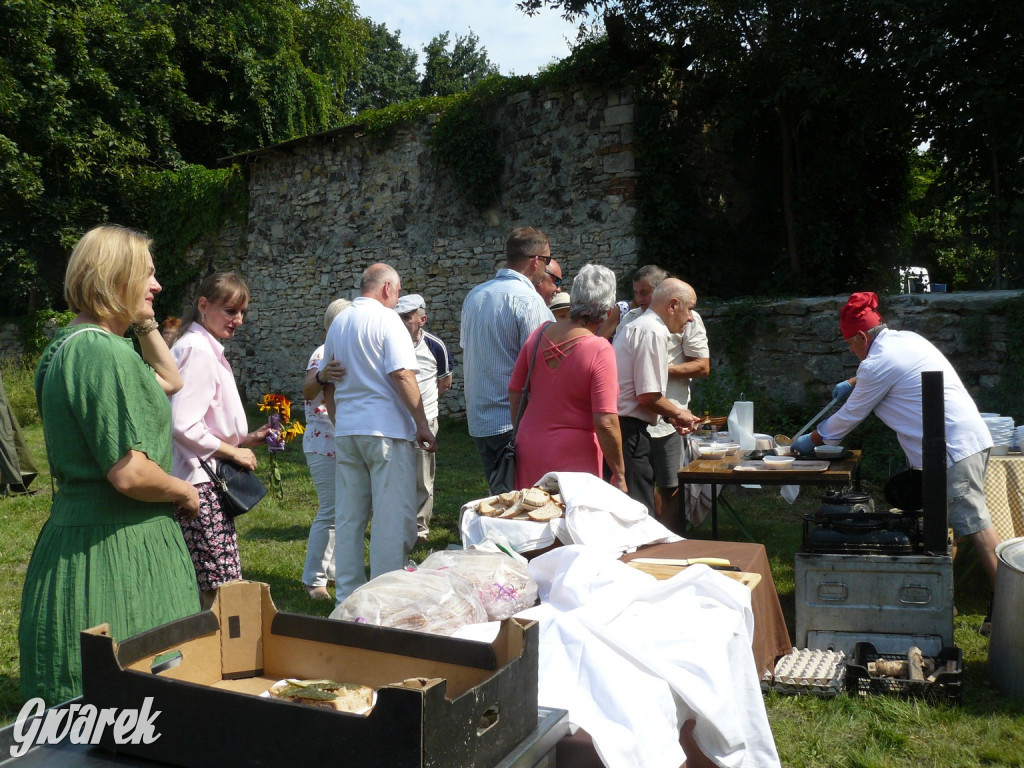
[(892, 602), (1005, 650)]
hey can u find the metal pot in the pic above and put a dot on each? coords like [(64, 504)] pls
[(842, 504), (1005, 651)]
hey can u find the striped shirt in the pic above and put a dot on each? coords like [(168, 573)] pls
[(497, 318)]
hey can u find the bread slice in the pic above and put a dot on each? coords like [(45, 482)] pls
[(509, 498), (534, 498), (489, 508), (549, 511)]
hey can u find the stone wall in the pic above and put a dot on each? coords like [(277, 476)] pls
[(323, 210)]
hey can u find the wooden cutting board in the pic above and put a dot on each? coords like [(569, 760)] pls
[(662, 572)]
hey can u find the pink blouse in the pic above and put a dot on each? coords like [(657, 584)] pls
[(207, 410)]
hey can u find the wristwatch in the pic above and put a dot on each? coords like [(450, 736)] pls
[(317, 377)]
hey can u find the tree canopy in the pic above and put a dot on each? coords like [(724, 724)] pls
[(455, 69)]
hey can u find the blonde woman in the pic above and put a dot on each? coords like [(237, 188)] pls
[(208, 422), (110, 550), (318, 445)]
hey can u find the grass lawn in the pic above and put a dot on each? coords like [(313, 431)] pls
[(845, 732)]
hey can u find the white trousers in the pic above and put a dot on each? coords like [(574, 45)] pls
[(425, 466), (375, 476), (319, 566)]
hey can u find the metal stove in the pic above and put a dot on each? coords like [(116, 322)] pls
[(882, 576)]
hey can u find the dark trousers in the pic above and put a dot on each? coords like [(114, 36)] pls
[(489, 448), (636, 450)]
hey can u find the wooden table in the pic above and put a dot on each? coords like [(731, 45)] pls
[(716, 472)]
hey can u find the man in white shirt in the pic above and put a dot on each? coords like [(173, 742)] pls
[(888, 382), (641, 353), (434, 379), (688, 358), (382, 422)]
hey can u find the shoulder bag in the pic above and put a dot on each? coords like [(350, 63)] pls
[(502, 476), (240, 490)]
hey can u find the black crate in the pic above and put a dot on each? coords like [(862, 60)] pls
[(947, 687)]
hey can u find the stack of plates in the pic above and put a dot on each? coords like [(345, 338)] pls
[(1018, 438), (1001, 428)]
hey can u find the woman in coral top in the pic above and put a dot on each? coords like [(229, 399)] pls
[(571, 420)]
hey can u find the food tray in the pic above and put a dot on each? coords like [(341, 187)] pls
[(946, 688), (810, 671), (797, 466)]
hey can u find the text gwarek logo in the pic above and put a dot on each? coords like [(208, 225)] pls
[(82, 724)]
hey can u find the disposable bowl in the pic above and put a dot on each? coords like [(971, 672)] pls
[(778, 462)]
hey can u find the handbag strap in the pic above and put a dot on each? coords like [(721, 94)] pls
[(46, 379), (526, 385), (218, 481)]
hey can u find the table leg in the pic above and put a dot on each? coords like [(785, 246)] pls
[(714, 512)]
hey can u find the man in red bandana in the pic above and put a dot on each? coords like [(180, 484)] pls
[(888, 382)]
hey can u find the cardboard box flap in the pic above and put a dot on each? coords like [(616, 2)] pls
[(239, 607), (401, 642), (134, 649)]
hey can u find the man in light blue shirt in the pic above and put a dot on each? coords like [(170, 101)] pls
[(497, 318)]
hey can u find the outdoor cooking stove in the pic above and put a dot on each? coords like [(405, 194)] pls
[(884, 577)]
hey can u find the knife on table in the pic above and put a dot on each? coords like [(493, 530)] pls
[(717, 563)]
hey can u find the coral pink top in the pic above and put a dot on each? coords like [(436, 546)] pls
[(571, 381)]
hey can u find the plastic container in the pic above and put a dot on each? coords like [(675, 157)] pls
[(946, 688), (778, 462)]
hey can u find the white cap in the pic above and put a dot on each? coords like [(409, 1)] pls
[(558, 301), (409, 303)]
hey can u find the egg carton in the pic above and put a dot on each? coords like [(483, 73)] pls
[(810, 671)]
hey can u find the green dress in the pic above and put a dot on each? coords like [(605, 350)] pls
[(101, 557)]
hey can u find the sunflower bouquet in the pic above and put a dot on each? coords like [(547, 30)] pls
[(283, 430)]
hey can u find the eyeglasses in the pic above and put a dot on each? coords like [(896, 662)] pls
[(554, 278)]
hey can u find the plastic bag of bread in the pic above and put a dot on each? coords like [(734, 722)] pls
[(503, 584), (424, 600)]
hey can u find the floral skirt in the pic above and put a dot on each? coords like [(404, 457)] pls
[(211, 540)]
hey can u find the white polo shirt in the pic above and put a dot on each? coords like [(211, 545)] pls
[(641, 354), (371, 341)]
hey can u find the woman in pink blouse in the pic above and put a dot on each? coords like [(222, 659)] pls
[(571, 418), (209, 422)]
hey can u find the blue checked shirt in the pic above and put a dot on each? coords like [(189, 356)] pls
[(497, 317)]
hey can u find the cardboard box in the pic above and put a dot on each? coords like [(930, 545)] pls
[(441, 701)]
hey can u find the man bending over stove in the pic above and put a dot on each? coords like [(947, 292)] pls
[(888, 382)]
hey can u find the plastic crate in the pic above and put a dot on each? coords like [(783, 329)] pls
[(947, 687)]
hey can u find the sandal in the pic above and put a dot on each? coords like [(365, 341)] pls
[(318, 593)]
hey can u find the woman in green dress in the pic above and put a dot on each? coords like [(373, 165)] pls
[(111, 551)]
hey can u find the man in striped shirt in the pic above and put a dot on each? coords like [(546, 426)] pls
[(434, 379), (497, 317)]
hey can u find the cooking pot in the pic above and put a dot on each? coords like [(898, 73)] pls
[(842, 504), (903, 490)]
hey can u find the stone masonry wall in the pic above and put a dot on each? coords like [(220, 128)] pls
[(321, 212)]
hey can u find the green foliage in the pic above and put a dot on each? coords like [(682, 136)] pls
[(177, 208), (387, 76), (96, 95), (18, 377), (34, 336), (457, 70)]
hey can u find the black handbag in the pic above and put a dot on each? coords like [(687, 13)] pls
[(502, 476), (240, 490)]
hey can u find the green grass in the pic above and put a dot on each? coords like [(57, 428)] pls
[(845, 732)]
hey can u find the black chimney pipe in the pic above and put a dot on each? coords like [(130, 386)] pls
[(934, 504)]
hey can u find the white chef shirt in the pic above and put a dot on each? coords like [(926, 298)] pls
[(889, 383)]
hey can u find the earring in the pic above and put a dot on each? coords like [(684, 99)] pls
[(202, 318)]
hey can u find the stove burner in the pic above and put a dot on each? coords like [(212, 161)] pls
[(847, 523)]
